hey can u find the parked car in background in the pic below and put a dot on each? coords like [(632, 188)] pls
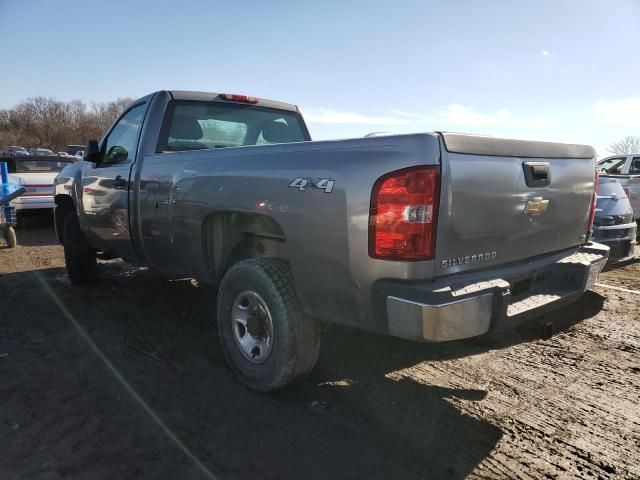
[(41, 152), (626, 169), (73, 149), (36, 174), (397, 234), (65, 154), (614, 224), (14, 151)]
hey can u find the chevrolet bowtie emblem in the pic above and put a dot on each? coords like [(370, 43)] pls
[(535, 207)]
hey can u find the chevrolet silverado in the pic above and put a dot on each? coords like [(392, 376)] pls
[(430, 237)]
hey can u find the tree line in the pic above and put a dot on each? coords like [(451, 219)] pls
[(627, 146), (46, 122)]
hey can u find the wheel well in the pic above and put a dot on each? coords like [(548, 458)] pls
[(64, 205), (229, 237)]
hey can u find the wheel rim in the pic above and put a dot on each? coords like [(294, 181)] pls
[(252, 326)]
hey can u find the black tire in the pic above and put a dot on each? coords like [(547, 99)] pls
[(79, 257), (296, 339)]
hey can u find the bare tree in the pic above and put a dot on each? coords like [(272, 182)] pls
[(50, 123), (627, 146)]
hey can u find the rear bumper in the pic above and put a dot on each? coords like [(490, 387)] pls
[(469, 305), (621, 240), (30, 203)]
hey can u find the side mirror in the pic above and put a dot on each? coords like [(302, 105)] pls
[(92, 152)]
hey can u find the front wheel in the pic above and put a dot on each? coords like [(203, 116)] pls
[(79, 257), (266, 339)]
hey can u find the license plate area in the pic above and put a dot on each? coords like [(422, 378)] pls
[(520, 288)]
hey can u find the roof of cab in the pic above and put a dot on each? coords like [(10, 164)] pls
[(211, 96)]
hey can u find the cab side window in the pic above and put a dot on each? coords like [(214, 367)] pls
[(121, 144), (635, 166)]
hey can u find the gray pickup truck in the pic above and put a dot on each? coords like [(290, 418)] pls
[(430, 237)]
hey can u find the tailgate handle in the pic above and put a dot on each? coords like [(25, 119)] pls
[(536, 174)]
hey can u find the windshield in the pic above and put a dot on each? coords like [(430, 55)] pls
[(198, 126), (39, 166)]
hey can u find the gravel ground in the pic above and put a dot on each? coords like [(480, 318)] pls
[(126, 380)]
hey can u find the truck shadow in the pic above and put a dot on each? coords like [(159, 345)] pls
[(363, 348), (356, 416)]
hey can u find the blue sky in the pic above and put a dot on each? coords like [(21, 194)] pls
[(565, 70)]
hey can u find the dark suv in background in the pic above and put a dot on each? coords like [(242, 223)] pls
[(14, 151), (614, 224)]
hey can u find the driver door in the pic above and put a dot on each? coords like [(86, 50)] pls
[(105, 189)]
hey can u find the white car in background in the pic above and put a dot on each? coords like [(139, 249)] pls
[(36, 175)]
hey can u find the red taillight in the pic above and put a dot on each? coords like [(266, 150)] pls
[(33, 190), (403, 214), (592, 214), (94, 192), (232, 97)]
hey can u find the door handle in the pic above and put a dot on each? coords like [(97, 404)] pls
[(537, 174), (119, 182)]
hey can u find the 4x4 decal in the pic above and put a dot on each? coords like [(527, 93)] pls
[(302, 184)]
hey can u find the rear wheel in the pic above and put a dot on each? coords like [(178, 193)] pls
[(79, 257), (266, 339)]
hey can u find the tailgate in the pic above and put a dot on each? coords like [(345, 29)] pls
[(507, 200)]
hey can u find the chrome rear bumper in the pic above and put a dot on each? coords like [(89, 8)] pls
[(443, 312)]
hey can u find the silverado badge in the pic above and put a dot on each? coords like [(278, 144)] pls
[(478, 257)]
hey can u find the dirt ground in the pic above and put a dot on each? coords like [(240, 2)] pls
[(126, 380)]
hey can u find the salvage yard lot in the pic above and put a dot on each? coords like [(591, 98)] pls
[(374, 407)]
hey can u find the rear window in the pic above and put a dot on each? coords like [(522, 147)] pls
[(37, 166), (199, 126)]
